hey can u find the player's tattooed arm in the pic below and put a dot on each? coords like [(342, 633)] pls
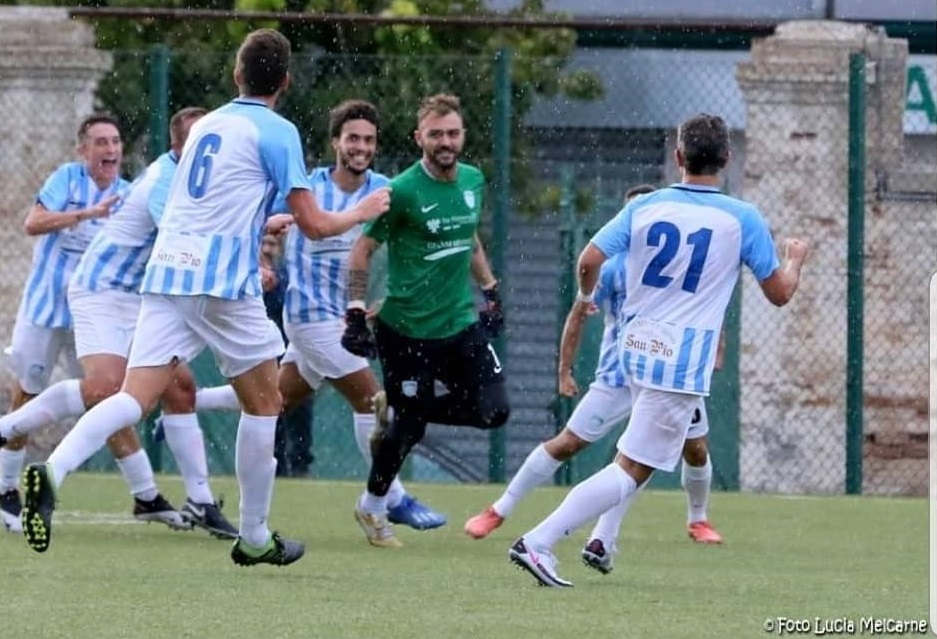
[(359, 263), (481, 269)]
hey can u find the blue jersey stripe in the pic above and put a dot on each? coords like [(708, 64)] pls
[(700, 384), (683, 358), (657, 373)]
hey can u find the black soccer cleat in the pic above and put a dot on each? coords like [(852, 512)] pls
[(160, 510), (210, 518), (38, 506), (11, 507), (281, 552)]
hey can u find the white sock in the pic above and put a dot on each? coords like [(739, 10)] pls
[(217, 398), (91, 433), (187, 444), (605, 489), (537, 469), (609, 522), (364, 424), (138, 473), (372, 504), (11, 467), (256, 468), (61, 400), (697, 481)]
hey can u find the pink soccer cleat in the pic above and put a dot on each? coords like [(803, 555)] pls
[(702, 532), (483, 524)]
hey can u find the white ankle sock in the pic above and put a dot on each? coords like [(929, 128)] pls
[(373, 504), (605, 489), (61, 400), (11, 467), (138, 473), (91, 433), (256, 468), (217, 398), (364, 424), (187, 444), (697, 481), (537, 469)]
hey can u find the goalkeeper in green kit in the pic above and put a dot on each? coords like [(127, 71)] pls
[(428, 328)]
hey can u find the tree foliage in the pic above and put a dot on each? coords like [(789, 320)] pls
[(393, 66)]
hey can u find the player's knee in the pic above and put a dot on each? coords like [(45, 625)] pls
[(695, 452), (95, 390), (495, 407)]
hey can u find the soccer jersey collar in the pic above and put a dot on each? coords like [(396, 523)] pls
[(250, 101), (702, 188)]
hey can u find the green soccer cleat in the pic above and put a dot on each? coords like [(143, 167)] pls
[(279, 551)]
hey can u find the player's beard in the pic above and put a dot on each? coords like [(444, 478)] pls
[(444, 166), (353, 167)]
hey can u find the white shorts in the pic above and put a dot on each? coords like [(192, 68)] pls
[(601, 409), (659, 425), (238, 332), (104, 320), (317, 350), (34, 351)]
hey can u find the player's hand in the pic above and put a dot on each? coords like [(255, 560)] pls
[(795, 250), (278, 224), (268, 279), (102, 208), (492, 316), (373, 310), (374, 204), (357, 338), (567, 386)]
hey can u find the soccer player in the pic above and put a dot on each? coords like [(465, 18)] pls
[(104, 300), (316, 296), (70, 210), (685, 246), (428, 328), (606, 404), (201, 288)]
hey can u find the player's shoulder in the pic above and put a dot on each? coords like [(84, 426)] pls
[(69, 171), (376, 180), (470, 175)]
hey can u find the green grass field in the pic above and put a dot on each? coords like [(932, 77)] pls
[(105, 576)]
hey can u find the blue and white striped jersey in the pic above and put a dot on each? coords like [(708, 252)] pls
[(116, 258), (55, 255), (234, 162), (609, 297), (685, 245), (317, 288)]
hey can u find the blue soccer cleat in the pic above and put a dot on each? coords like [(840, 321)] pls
[(410, 512)]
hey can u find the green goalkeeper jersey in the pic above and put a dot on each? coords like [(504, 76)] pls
[(429, 230)]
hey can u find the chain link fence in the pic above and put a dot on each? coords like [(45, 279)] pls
[(779, 407)]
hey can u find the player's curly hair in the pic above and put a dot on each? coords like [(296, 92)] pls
[(351, 110)]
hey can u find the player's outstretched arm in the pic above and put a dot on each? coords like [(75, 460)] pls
[(492, 317), (589, 266), (780, 286), (41, 220), (317, 224)]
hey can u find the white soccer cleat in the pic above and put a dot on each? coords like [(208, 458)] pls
[(541, 564)]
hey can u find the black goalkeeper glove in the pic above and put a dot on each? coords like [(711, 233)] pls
[(357, 338), (492, 316)]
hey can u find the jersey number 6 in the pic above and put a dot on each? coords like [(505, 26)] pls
[(201, 164)]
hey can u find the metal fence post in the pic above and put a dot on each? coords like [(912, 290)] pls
[(563, 406), (854, 275), (158, 143), (501, 186), (159, 101)]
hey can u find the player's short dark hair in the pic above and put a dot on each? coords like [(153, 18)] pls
[(439, 104), (179, 119), (96, 118), (264, 60), (351, 110), (704, 142), (639, 189)]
